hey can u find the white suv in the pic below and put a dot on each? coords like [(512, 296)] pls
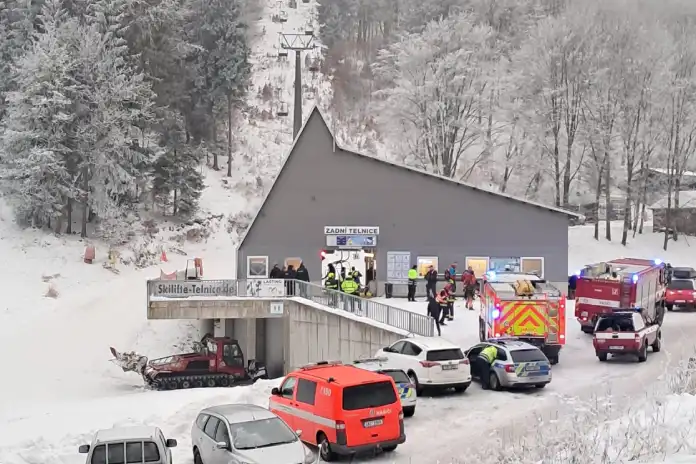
[(429, 362)]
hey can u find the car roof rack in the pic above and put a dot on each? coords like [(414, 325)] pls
[(320, 364)]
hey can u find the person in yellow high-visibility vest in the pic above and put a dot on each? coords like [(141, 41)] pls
[(412, 277), (350, 287)]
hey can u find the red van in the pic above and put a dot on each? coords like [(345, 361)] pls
[(342, 409)]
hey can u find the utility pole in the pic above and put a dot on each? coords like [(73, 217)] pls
[(297, 43)]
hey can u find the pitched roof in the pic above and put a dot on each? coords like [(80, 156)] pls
[(687, 199), (316, 109)]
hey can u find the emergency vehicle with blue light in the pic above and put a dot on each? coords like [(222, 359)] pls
[(523, 306), (621, 283), (404, 385)]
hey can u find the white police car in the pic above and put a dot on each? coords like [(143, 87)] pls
[(407, 391), (518, 364)]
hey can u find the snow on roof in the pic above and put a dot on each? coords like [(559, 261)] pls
[(665, 171), (136, 432), (393, 164), (687, 199)]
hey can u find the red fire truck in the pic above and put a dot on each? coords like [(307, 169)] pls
[(525, 307), (621, 283)]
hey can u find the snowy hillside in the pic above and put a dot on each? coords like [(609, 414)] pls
[(55, 407)]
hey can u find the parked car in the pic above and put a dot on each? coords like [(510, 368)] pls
[(429, 362), (681, 289), (139, 444), (406, 389), (341, 409), (245, 433), (518, 364)]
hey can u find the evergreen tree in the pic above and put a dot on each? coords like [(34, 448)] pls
[(40, 117), (176, 179)]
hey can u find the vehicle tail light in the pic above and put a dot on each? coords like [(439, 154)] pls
[(401, 415), (509, 368), (694, 294), (340, 425), (562, 337), (428, 364), (464, 361)]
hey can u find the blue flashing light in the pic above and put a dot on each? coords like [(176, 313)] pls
[(491, 275), (658, 262), (578, 273), (495, 313), (635, 278)]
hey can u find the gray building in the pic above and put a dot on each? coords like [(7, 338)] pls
[(334, 201)]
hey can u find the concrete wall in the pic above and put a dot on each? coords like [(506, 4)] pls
[(307, 332), (317, 335), (418, 213)]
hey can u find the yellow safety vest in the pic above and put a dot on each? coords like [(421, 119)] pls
[(349, 285), (331, 281), (412, 274), (490, 353)]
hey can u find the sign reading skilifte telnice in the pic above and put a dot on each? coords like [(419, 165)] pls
[(195, 288)]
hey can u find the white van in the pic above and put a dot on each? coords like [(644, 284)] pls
[(139, 444)]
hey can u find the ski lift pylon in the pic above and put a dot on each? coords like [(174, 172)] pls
[(283, 109)]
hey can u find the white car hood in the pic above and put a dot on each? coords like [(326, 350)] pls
[(291, 453)]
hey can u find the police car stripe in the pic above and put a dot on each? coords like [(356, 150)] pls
[(304, 415)]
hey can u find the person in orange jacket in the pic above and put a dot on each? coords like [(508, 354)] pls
[(443, 300)]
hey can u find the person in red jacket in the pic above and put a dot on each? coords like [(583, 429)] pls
[(469, 284)]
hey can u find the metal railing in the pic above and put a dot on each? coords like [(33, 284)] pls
[(419, 324)]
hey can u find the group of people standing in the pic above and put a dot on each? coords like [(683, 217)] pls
[(345, 282), (441, 304), (290, 274)]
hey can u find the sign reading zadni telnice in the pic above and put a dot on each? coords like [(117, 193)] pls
[(351, 230), (196, 288)]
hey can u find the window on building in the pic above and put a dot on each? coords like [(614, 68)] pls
[(478, 264), (424, 263), (257, 267), (510, 264), (533, 265)]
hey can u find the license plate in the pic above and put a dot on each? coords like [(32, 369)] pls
[(373, 423), (616, 347), (450, 367), (583, 314), (680, 301), (532, 368)]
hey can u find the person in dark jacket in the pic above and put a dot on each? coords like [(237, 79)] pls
[(290, 275), (331, 284), (276, 273), (303, 276), (431, 282), (442, 300), (434, 311)]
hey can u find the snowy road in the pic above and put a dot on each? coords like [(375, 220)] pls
[(95, 395)]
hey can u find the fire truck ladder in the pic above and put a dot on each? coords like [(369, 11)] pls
[(626, 291)]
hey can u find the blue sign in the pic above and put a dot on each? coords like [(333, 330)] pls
[(358, 241)]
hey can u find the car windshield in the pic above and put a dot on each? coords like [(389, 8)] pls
[(453, 354), (534, 355), (397, 376), (369, 395), (681, 284), (261, 434)]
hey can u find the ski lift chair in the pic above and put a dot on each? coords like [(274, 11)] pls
[(283, 109), (314, 65), (282, 54), (305, 1), (283, 16), (309, 29)]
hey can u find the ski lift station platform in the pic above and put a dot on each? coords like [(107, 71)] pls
[(330, 204)]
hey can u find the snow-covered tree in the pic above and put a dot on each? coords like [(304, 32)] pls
[(38, 144), (433, 83)]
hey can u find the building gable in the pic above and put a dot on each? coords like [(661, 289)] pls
[(313, 142)]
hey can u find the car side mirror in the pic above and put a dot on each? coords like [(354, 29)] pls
[(298, 433), (386, 349), (275, 391), (221, 445), (83, 449), (171, 443)]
